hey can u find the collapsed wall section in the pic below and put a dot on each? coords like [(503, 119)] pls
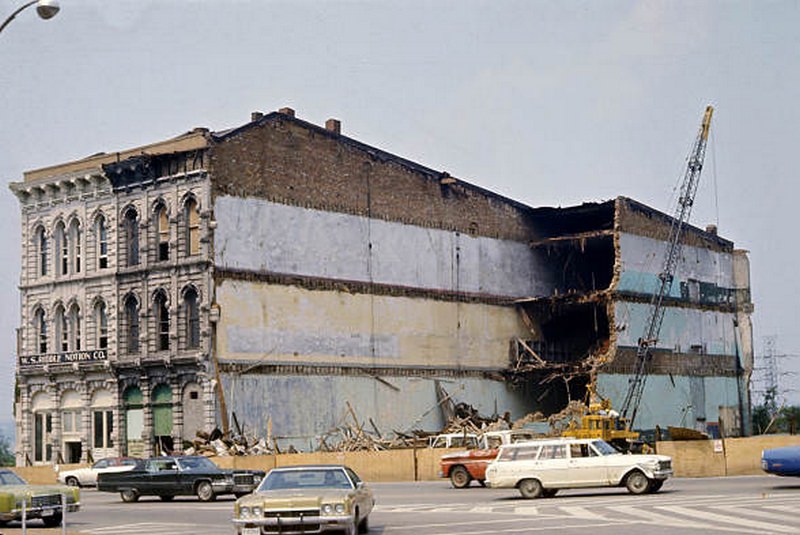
[(569, 329)]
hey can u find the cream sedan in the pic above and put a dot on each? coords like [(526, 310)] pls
[(306, 499), (87, 477), (542, 467)]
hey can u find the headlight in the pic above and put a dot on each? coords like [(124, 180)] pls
[(244, 512), (257, 511), (328, 509)]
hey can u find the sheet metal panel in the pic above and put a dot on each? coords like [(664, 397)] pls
[(671, 401), (276, 323), (642, 259), (259, 235), (682, 328), (304, 407)]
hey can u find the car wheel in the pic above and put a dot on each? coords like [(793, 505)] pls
[(549, 493), (129, 495), (52, 521), (363, 527), (637, 483), (459, 477), (73, 482), (167, 497), (205, 492), (656, 484), (530, 488)]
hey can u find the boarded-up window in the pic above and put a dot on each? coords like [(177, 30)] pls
[(162, 410)]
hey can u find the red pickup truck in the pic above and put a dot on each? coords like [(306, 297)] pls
[(464, 466)]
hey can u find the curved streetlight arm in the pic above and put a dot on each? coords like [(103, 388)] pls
[(46, 10)]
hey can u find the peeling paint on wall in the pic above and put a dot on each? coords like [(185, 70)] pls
[(258, 235)]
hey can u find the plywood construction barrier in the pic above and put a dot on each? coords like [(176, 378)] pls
[(690, 458)]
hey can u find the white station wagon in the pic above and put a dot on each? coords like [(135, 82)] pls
[(542, 467)]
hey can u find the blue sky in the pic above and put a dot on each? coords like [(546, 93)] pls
[(550, 103)]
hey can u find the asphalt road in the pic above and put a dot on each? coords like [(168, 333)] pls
[(757, 505)]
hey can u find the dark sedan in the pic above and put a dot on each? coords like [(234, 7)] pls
[(167, 477), (781, 461)]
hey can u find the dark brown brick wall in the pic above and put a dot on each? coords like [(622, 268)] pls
[(288, 162)]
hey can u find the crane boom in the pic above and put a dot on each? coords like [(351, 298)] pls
[(655, 318)]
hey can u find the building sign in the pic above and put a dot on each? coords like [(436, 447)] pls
[(64, 358)]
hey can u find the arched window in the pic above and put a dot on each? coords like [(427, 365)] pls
[(40, 325), (41, 251), (162, 321), (62, 331), (101, 231), (75, 326), (101, 321), (132, 237), (192, 221), (75, 243), (192, 318), (62, 250), (131, 324), (162, 232)]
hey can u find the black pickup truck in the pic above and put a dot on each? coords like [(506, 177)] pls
[(167, 477)]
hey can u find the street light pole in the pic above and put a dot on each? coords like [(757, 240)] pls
[(46, 9)]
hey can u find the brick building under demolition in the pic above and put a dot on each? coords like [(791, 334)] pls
[(283, 270)]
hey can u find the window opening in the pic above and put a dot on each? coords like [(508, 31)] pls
[(132, 321), (102, 326), (192, 228), (132, 237), (102, 243), (162, 322), (41, 328), (163, 233), (192, 320)]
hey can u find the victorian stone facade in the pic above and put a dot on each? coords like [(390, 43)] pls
[(113, 345)]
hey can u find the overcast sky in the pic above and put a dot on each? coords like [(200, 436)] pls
[(549, 103)]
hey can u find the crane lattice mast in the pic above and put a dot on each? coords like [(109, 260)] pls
[(655, 318)]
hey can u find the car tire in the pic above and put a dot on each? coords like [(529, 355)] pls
[(656, 484), (549, 493), (205, 492), (167, 497), (52, 521), (129, 495), (363, 526), (459, 477), (530, 488), (637, 483), (72, 481)]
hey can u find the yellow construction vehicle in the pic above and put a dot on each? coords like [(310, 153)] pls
[(601, 421)]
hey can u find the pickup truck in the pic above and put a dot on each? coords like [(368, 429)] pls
[(464, 466)]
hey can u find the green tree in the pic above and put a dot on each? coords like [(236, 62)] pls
[(6, 452)]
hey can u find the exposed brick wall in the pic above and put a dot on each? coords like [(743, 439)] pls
[(287, 161)]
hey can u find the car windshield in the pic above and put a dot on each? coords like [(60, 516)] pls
[(196, 463), (604, 447), (10, 478), (306, 479)]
